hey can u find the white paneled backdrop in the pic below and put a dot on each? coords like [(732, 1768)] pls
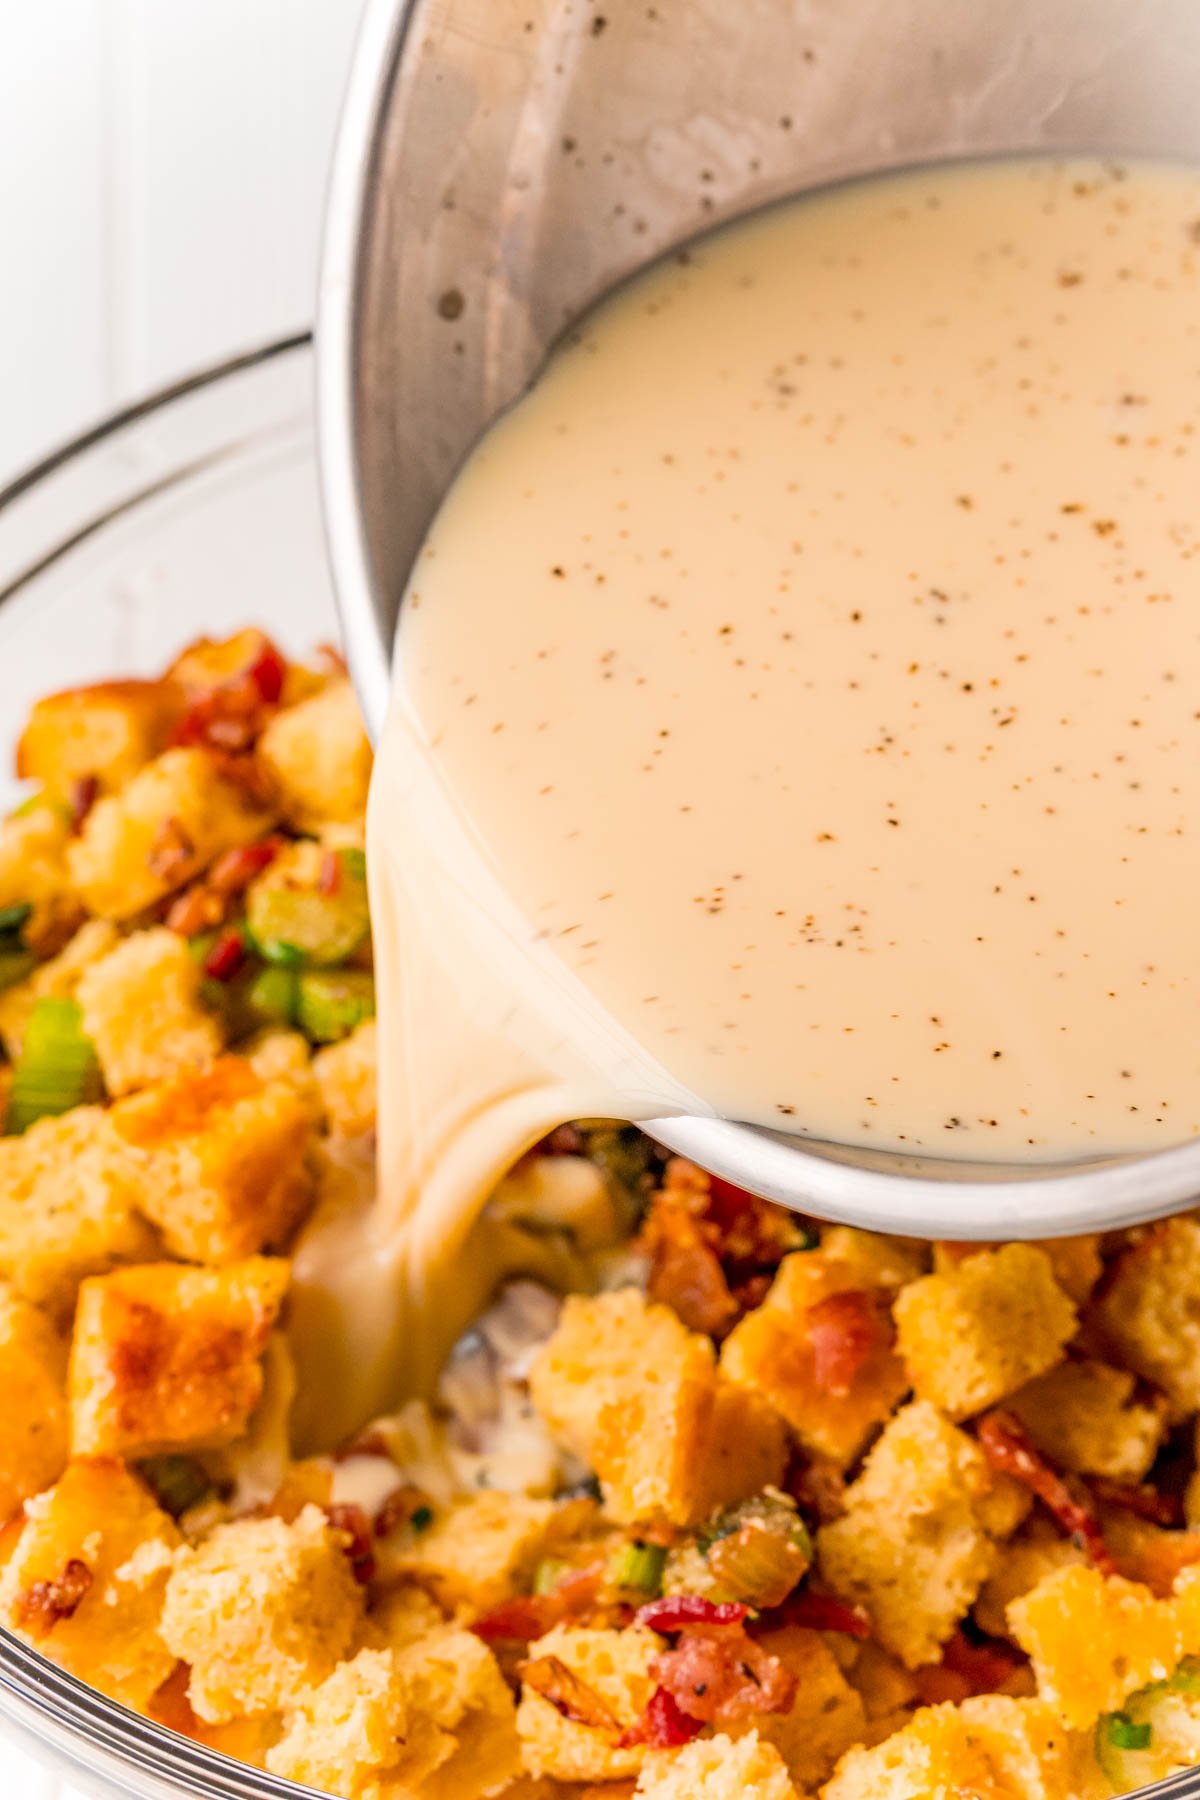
[(162, 166), (162, 170)]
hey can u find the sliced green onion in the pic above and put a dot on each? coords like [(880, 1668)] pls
[(329, 1006), (638, 1566), (57, 1068), (13, 917), (1186, 1679), (177, 1482), (272, 995), (200, 945), (281, 952), (354, 863), (1125, 1734), (422, 1519), (547, 1575)]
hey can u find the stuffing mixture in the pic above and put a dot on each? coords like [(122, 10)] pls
[(766, 1508)]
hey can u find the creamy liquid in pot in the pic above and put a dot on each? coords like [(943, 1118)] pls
[(798, 715)]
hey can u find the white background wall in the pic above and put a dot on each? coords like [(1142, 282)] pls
[(162, 169), (162, 165)]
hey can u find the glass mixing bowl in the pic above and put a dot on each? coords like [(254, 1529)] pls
[(195, 512)]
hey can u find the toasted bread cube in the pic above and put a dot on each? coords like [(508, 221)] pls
[(880, 1261), (218, 1157), (34, 870), (86, 1580), (826, 1717), (57, 979), (159, 832), (1020, 1565), (772, 1352), (996, 1746), (346, 1078), (207, 663), (918, 1537), (106, 731), (716, 1768), (631, 1390), (170, 1358), (1150, 1312), (481, 1550), (1076, 1261), (1085, 1417), (261, 1609), (66, 1208), (436, 1718), (141, 1009), (320, 757), (615, 1665), (33, 1419), (1093, 1639), (971, 1335)]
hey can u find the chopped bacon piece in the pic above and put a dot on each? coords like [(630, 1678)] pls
[(683, 1612), (41, 1606), (226, 956), (755, 1234), (986, 1664), (529, 1616), (172, 852), (268, 672), (197, 909), (1008, 1449), (844, 1330), (1143, 1501), (564, 1140), (236, 869), (663, 1726), (720, 1674), (85, 791), (821, 1612), (685, 1271), (567, 1693), (818, 1487), (360, 1549)]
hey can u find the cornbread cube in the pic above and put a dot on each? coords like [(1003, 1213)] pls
[(207, 663), (1084, 1415), (437, 1718), (33, 1420), (481, 1550), (918, 1537), (141, 1009), (970, 1336), (1148, 1553), (402, 1616), (879, 1261), (1020, 1565), (170, 1358), (320, 757), (285, 1056), (996, 1746), (1076, 1261), (772, 1353), (85, 1582), (159, 832), (261, 1609), (345, 1075), (66, 1208), (34, 870), (56, 979), (884, 1685), (218, 1159), (631, 1390), (615, 1665), (716, 1768), (106, 731), (1149, 1315), (826, 1717), (1093, 1639)]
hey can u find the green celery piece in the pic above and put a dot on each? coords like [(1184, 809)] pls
[(330, 1003), (57, 1068)]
